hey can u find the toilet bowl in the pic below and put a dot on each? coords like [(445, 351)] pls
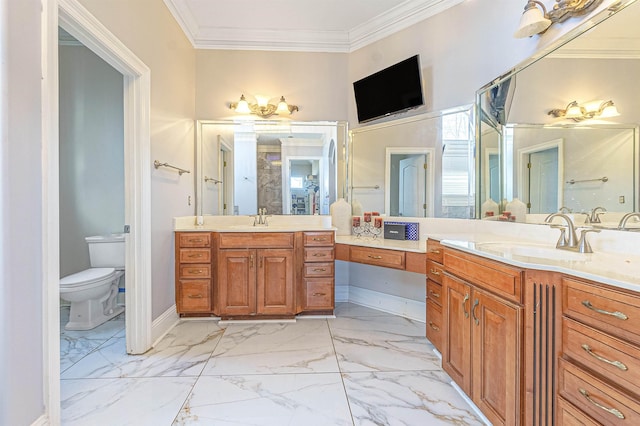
[(93, 292)]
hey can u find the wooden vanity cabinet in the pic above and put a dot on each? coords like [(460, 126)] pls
[(434, 272), (316, 291), (193, 272), (255, 274), (599, 371), (482, 346)]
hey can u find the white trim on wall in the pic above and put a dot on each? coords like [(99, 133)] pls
[(396, 305)]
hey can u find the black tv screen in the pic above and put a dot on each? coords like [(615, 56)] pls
[(390, 91)]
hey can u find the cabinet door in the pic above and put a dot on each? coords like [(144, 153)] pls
[(496, 350), (456, 348), (236, 282), (275, 282)]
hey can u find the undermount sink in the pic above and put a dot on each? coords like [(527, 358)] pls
[(531, 250)]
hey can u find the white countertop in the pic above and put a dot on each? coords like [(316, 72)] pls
[(616, 269), (276, 223), (404, 245)]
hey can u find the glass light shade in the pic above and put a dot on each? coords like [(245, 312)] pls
[(242, 107), (283, 107), (608, 109), (532, 22), (573, 110)]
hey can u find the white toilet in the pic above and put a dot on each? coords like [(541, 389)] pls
[(93, 292)]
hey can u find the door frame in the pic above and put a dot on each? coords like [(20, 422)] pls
[(75, 19), (429, 196), (523, 173)]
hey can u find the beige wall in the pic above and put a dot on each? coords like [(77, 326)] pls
[(149, 30), (315, 82)]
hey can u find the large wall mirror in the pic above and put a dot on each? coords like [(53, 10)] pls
[(574, 160), (284, 167), (421, 166)]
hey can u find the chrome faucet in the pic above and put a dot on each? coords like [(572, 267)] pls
[(595, 214), (568, 239), (623, 222), (564, 209), (261, 217)]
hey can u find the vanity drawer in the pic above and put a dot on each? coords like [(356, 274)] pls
[(320, 238), (596, 398), (194, 296), (435, 250), (493, 276), (609, 310), (255, 240), (568, 415), (434, 292), (194, 239), (379, 257), (434, 324), (194, 255), (605, 355), (318, 254), (434, 271), (318, 294), (324, 269), (194, 270)]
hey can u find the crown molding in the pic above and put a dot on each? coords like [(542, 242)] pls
[(396, 19)]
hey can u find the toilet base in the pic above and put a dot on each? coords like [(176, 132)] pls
[(88, 314)]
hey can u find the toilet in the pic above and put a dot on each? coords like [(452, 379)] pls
[(93, 292)]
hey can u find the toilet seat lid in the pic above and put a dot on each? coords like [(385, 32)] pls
[(87, 276)]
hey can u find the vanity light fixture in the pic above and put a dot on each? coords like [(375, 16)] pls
[(590, 110), (263, 108), (535, 21)]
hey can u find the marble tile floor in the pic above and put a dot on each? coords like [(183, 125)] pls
[(365, 367)]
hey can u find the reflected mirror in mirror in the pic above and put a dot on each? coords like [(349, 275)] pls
[(558, 163), (283, 167), (428, 166)]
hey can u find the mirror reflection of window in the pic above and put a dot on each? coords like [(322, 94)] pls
[(457, 162), (296, 182)]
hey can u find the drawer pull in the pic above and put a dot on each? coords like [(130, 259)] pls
[(616, 314), (434, 294), (195, 255), (319, 239), (433, 326), (370, 256), (618, 364), (319, 269), (196, 271), (195, 296), (464, 308), (434, 271), (435, 251), (319, 254), (473, 311), (319, 294), (613, 411), (195, 240)]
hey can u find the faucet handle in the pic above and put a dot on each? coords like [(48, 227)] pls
[(562, 240), (583, 244)]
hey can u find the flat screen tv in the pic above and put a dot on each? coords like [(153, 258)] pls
[(389, 91)]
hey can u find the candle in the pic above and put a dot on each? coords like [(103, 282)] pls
[(367, 216), (355, 221), (378, 222)]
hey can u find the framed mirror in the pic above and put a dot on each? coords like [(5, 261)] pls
[(429, 166), (537, 146), (284, 167)]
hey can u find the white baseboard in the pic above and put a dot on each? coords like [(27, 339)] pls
[(43, 420), (473, 406), (342, 293), (165, 322), (407, 308)]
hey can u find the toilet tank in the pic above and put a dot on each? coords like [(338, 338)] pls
[(106, 251)]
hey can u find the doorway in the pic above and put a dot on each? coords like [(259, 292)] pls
[(77, 21), (409, 181), (540, 174)]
